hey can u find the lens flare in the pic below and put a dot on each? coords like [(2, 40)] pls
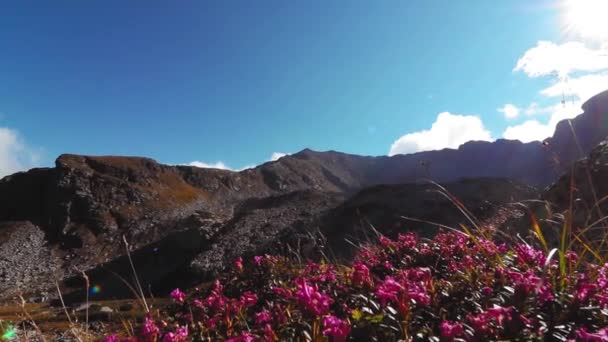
[(9, 333), (96, 289)]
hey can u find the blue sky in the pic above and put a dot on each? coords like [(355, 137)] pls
[(230, 83)]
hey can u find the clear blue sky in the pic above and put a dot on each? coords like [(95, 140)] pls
[(235, 81)]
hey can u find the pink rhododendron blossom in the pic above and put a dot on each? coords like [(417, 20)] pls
[(197, 303), (407, 241), (281, 292), (528, 255), (487, 291), (149, 329), (361, 275), (584, 291), (311, 299), (248, 299), (178, 295), (112, 338), (583, 335), (180, 335), (388, 290), (257, 260), (263, 317), (244, 337), (451, 330), (336, 328), (386, 242), (269, 334), (238, 264)]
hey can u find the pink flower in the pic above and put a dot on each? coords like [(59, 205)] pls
[(480, 323), (386, 242), (178, 295), (149, 330), (388, 290), (182, 332), (336, 328), (361, 275), (451, 330), (418, 274), (419, 296), (527, 283), (112, 338), (602, 277), (584, 291), (499, 313), (197, 303), (600, 336), (281, 292), (269, 334), (244, 337), (257, 260), (169, 337), (528, 255), (216, 299), (238, 264), (311, 299), (249, 299), (263, 317), (545, 294), (180, 335), (602, 300), (407, 241)]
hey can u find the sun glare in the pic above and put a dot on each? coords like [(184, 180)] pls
[(587, 18)]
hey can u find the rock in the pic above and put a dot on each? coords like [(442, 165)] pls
[(125, 307)]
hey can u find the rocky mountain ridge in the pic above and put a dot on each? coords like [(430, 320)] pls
[(184, 223)]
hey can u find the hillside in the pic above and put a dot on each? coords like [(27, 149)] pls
[(185, 223)]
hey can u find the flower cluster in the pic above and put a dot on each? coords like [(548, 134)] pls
[(452, 287)]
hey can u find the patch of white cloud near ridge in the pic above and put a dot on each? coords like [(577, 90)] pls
[(534, 130), (277, 155), (223, 166), (217, 165), (15, 156), (448, 131)]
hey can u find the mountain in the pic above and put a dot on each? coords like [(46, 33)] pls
[(185, 223)]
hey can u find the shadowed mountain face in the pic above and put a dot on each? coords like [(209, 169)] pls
[(185, 223)]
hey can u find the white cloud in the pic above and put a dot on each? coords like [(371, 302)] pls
[(217, 165), (277, 155), (581, 73), (223, 166), (582, 87), (510, 111), (530, 130), (449, 130), (534, 130), (14, 154), (548, 58)]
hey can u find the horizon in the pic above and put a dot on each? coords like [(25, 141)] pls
[(234, 86)]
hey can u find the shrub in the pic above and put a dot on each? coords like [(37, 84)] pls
[(453, 287)]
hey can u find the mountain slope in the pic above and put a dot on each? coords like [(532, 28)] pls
[(192, 220)]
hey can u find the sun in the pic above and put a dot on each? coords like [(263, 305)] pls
[(587, 18)]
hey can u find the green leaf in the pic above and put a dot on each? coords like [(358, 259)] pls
[(375, 318)]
